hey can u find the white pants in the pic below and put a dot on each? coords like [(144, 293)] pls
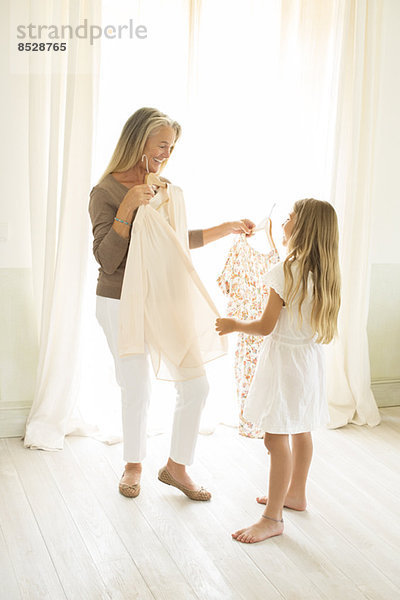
[(133, 377)]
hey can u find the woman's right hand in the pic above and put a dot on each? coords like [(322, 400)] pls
[(136, 196)]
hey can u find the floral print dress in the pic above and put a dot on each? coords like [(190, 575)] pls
[(241, 281)]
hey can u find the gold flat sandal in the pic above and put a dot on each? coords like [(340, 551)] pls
[(165, 477), (130, 491)]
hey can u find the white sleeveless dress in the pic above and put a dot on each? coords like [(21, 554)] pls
[(288, 391)]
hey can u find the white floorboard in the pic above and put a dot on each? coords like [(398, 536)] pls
[(66, 532)]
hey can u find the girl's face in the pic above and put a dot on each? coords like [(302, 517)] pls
[(287, 227), (158, 148)]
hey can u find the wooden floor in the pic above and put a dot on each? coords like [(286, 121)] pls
[(66, 532)]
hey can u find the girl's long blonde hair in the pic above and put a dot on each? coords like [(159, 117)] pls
[(313, 244), (129, 149)]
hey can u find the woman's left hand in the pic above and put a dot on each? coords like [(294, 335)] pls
[(224, 326), (244, 226), (215, 233)]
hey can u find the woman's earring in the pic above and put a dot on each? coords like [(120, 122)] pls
[(147, 162)]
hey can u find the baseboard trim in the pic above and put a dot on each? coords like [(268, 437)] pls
[(13, 421), (386, 392)]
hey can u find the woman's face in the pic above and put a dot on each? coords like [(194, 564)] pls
[(158, 147), (287, 227)]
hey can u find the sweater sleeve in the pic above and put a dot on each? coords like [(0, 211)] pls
[(109, 248), (196, 238)]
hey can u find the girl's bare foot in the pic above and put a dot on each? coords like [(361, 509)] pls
[(262, 530), (299, 504)]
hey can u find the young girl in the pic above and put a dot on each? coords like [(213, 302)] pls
[(287, 394)]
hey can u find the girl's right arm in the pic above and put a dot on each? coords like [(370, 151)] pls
[(263, 326)]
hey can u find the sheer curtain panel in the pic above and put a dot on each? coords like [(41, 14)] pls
[(62, 107)]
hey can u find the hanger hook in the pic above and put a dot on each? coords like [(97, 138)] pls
[(147, 162)]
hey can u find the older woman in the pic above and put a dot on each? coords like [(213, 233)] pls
[(145, 145)]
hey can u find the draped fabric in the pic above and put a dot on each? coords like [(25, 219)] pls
[(62, 105), (309, 84), (349, 388), (163, 301)]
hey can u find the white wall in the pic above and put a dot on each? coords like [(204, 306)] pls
[(14, 253), (384, 313), (18, 336)]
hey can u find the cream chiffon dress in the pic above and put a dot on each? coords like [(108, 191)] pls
[(288, 394), (164, 305)]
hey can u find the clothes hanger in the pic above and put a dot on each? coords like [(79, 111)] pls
[(153, 179), (268, 231), (262, 224), (266, 225)]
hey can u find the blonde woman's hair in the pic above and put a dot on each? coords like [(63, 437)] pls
[(313, 245), (135, 133)]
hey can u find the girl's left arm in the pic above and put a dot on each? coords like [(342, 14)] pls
[(263, 326)]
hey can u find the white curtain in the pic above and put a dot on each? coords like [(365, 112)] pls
[(287, 94), (62, 108), (350, 395), (277, 103)]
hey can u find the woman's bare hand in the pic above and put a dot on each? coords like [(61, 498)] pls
[(136, 196), (243, 226), (224, 326)]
